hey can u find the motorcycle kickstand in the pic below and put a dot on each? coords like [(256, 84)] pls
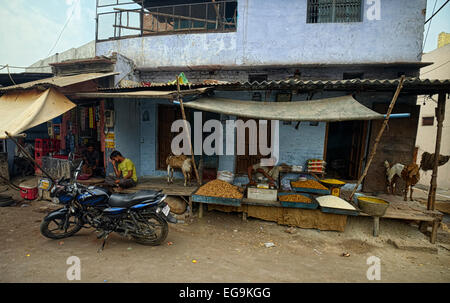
[(103, 244)]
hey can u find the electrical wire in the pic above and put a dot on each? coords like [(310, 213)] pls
[(426, 36), (434, 14), (22, 67), (434, 68), (62, 30)]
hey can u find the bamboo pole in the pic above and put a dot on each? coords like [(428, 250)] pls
[(440, 113), (378, 138), (30, 158), (10, 183), (187, 130)]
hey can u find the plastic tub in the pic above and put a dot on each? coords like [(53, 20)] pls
[(28, 192), (225, 176)]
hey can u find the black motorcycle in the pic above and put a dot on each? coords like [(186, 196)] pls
[(143, 215)]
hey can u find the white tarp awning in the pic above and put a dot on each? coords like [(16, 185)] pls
[(21, 110), (330, 109)]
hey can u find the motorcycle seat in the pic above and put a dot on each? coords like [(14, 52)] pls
[(128, 200)]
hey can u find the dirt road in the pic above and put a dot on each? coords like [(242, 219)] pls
[(225, 249)]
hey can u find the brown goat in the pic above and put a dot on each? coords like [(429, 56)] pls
[(179, 162), (411, 175)]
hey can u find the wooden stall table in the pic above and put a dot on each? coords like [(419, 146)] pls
[(275, 212), (398, 209), (92, 181), (176, 188)]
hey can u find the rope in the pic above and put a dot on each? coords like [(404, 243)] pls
[(12, 80)]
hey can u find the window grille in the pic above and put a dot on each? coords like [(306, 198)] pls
[(334, 11)]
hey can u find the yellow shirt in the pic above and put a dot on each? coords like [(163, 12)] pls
[(125, 166)]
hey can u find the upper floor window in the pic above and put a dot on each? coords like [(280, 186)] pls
[(334, 11), (426, 121), (123, 19)]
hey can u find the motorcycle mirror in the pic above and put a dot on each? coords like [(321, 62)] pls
[(78, 170), (71, 158)]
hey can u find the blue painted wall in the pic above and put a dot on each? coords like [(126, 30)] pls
[(137, 139), (127, 130), (276, 33)]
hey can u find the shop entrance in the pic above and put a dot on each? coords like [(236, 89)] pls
[(243, 162), (345, 149)]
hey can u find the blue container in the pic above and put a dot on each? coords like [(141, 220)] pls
[(216, 200), (312, 205), (339, 211), (355, 198), (57, 120)]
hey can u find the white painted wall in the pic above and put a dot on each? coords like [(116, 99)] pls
[(83, 52), (426, 135)]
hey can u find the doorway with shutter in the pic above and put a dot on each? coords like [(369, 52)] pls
[(246, 160)]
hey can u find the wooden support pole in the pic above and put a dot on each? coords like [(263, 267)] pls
[(376, 226), (190, 207), (440, 113), (216, 9), (10, 183), (434, 231), (187, 132), (378, 138), (200, 210)]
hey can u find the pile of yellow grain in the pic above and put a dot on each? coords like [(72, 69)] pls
[(295, 198), (308, 184), (332, 181), (219, 188)]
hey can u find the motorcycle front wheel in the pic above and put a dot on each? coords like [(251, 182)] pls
[(56, 229), (155, 230)]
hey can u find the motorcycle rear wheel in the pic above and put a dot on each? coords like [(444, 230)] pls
[(159, 232), (50, 228)]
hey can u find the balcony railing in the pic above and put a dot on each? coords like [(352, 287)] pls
[(216, 16)]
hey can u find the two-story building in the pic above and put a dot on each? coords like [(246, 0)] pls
[(322, 48)]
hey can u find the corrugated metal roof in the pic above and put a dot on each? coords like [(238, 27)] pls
[(144, 84), (408, 84), (59, 81), (169, 94), (415, 85)]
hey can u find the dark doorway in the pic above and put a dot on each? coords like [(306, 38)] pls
[(167, 114), (345, 150), (246, 160)]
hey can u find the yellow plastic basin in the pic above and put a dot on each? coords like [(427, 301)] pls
[(373, 206), (374, 200)]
